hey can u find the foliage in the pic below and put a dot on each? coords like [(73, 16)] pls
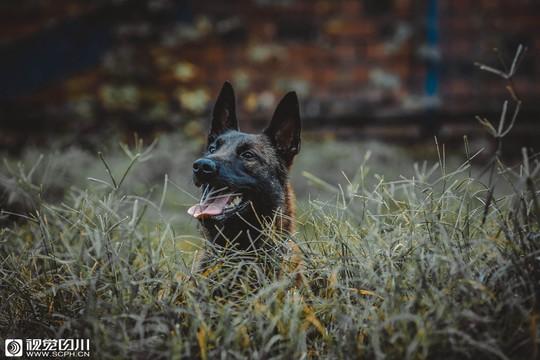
[(435, 265)]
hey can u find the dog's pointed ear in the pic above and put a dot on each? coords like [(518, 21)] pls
[(224, 114), (284, 129)]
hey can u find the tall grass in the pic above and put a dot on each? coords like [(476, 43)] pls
[(436, 265)]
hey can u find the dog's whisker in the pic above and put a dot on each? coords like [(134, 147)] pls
[(207, 192), (215, 191), (202, 195), (222, 196)]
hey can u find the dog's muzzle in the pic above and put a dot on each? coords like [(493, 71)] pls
[(204, 170)]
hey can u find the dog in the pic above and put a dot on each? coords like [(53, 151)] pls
[(244, 177)]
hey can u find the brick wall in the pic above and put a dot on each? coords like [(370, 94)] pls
[(362, 58)]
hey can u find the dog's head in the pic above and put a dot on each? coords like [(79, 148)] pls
[(244, 176)]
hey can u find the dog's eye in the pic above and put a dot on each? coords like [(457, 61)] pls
[(248, 155), (212, 149)]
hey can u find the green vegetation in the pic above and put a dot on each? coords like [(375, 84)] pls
[(431, 266), (442, 262)]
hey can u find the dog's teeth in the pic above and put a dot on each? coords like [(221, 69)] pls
[(234, 202)]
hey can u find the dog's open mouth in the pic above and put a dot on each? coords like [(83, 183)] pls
[(217, 204)]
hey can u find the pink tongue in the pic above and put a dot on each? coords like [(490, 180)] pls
[(210, 207)]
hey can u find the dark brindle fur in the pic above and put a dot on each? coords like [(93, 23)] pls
[(254, 166)]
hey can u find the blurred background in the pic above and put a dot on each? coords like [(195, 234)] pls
[(381, 75), (395, 70)]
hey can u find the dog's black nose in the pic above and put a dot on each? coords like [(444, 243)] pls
[(204, 167)]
